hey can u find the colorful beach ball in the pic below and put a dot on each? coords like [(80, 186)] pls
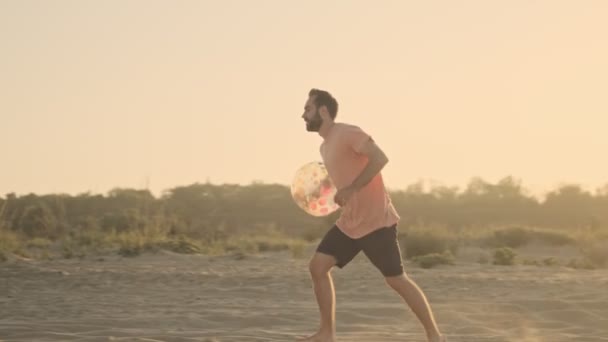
[(313, 190)]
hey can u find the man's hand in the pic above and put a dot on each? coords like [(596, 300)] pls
[(343, 195)]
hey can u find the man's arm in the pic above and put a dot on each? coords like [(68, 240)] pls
[(376, 162)]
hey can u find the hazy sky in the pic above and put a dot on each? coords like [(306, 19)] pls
[(102, 94)]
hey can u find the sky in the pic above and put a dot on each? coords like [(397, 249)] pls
[(96, 95)]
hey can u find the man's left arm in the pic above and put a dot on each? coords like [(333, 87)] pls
[(376, 160)]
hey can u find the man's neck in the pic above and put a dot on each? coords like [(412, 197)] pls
[(325, 128)]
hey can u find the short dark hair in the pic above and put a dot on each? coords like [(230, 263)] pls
[(324, 98)]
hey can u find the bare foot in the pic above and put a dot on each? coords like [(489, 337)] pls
[(319, 337), (439, 338)]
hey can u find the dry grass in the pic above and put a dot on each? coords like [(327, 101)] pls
[(259, 244), (147, 240), (429, 246), (9, 241), (519, 236)]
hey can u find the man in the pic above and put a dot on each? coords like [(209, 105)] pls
[(368, 221)]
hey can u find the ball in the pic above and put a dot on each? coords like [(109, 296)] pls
[(313, 190)]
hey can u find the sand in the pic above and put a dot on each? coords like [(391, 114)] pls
[(268, 297)]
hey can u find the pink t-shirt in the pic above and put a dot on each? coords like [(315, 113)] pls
[(370, 208)]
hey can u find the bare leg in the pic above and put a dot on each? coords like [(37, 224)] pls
[(415, 299), (320, 267)]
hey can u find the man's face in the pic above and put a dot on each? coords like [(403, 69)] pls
[(311, 116)]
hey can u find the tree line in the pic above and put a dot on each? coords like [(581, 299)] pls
[(218, 211)]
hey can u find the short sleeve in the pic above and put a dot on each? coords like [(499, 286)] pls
[(355, 138)]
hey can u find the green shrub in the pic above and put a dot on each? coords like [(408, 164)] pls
[(550, 261), (297, 249), (130, 250), (256, 244), (427, 240), (434, 259), (240, 245), (504, 256), (553, 237), (531, 262), (22, 253), (130, 245), (181, 245), (516, 236), (596, 254), (9, 241), (92, 238), (512, 237), (483, 259), (38, 242), (272, 245), (67, 252), (45, 255), (582, 263)]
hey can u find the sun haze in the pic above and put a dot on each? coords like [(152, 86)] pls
[(157, 94)]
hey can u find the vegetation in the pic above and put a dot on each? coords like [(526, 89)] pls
[(228, 218), (434, 259), (504, 256), (420, 240)]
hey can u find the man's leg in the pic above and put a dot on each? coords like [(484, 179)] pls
[(336, 249), (382, 249), (416, 300), (320, 268)]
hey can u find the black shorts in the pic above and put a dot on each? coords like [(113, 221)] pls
[(381, 247)]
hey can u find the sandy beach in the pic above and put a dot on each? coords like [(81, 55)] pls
[(268, 297)]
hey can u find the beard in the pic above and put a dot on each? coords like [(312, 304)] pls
[(314, 124)]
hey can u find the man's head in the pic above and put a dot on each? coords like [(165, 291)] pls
[(320, 107)]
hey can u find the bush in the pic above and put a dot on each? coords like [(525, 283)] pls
[(551, 261), (9, 241), (504, 256), (130, 250), (512, 237), (427, 240), (434, 259), (596, 254), (553, 238), (181, 245), (241, 245), (71, 248), (531, 262), (272, 245), (583, 263), (516, 236), (297, 249), (130, 244), (483, 259), (22, 253), (38, 243), (93, 238)]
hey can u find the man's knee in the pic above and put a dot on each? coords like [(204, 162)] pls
[(320, 264), (397, 281)]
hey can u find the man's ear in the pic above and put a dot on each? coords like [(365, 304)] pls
[(323, 112)]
